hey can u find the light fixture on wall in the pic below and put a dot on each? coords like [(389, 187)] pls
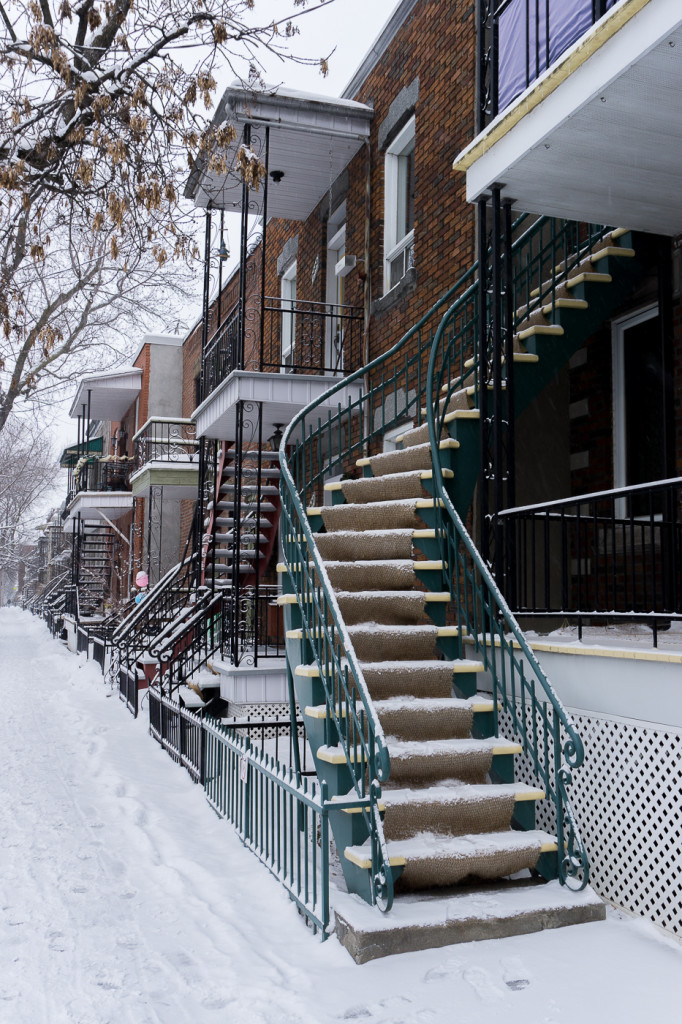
[(223, 251), (276, 439), (276, 176)]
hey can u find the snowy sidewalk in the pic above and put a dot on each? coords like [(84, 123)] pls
[(124, 899)]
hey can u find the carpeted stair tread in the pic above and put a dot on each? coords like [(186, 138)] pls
[(420, 762), (388, 607), (409, 678), (375, 641), (432, 860), (426, 719), (401, 460), (390, 487), (350, 546), (374, 515), (391, 574)]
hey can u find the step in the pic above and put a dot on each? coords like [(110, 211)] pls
[(265, 506), (428, 921), (389, 487), (266, 472), (612, 250), (266, 489), (265, 454), (376, 514), (419, 450), (420, 762)]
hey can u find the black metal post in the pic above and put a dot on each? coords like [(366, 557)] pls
[(263, 250), (236, 533), (498, 397), (257, 545), (483, 373), (243, 245), (206, 300)]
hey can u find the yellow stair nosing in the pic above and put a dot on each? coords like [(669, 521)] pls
[(328, 758), (611, 250), (530, 794), (315, 511), (423, 534), (464, 666), (462, 414), (428, 566), (307, 672), (287, 599), (366, 862), (509, 748), (564, 304), (337, 486), (549, 847), (362, 462), (436, 598), (429, 503), (358, 810), (619, 232), (541, 329), (589, 277)]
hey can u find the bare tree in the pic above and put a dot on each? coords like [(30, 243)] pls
[(103, 107), (28, 467)]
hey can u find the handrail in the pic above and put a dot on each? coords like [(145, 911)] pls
[(483, 611), (182, 421), (580, 499), (355, 723)]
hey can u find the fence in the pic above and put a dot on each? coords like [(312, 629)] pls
[(127, 687), (611, 554), (284, 821)]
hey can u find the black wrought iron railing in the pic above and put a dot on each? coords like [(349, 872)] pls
[(300, 336), (519, 39), (294, 336), (254, 627), (108, 474), (614, 555), (166, 440)]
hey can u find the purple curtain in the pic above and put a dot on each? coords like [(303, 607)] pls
[(525, 42)]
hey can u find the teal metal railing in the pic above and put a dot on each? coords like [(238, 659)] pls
[(542, 258), (318, 442), (283, 821), (323, 440)]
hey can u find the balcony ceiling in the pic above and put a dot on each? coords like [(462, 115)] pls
[(111, 394), (598, 137), (312, 139), (100, 505)]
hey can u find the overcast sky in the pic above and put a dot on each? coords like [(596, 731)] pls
[(347, 27)]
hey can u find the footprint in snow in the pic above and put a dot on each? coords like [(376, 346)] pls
[(443, 971), (482, 984), (515, 974)]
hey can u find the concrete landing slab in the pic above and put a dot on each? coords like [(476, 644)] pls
[(425, 921)]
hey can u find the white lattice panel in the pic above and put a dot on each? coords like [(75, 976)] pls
[(627, 798)]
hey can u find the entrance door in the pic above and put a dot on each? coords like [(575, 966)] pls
[(639, 449)]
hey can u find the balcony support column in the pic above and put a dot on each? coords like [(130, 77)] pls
[(264, 224)]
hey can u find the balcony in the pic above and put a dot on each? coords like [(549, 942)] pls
[(166, 454), (287, 353), (578, 110), (100, 488)]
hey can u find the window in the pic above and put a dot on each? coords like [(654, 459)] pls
[(336, 250), (288, 294), (399, 207)]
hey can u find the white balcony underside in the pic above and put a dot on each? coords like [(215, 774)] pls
[(282, 396), (94, 505), (598, 137), (179, 479)]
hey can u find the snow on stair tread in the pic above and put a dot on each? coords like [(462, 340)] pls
[(404, 749), (433, 705), (433, 846), (454, 791), (418, 665)]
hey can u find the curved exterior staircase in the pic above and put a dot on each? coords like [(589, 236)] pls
[(393, 620)]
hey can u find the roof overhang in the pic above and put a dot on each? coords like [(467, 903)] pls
[(312, 138), (598, 136), (107, 396), (178, 479), (71, 455)]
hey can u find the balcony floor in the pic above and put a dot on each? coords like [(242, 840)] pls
[(113, 504), (598, 137), (282, 395)]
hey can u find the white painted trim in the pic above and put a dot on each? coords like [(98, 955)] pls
[(393, 245), (618, 328)]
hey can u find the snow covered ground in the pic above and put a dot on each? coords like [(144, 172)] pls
[(124, 899)]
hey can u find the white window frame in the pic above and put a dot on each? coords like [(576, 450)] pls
[(334, 334), (618, 329), (288, 323), (394, 246)]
